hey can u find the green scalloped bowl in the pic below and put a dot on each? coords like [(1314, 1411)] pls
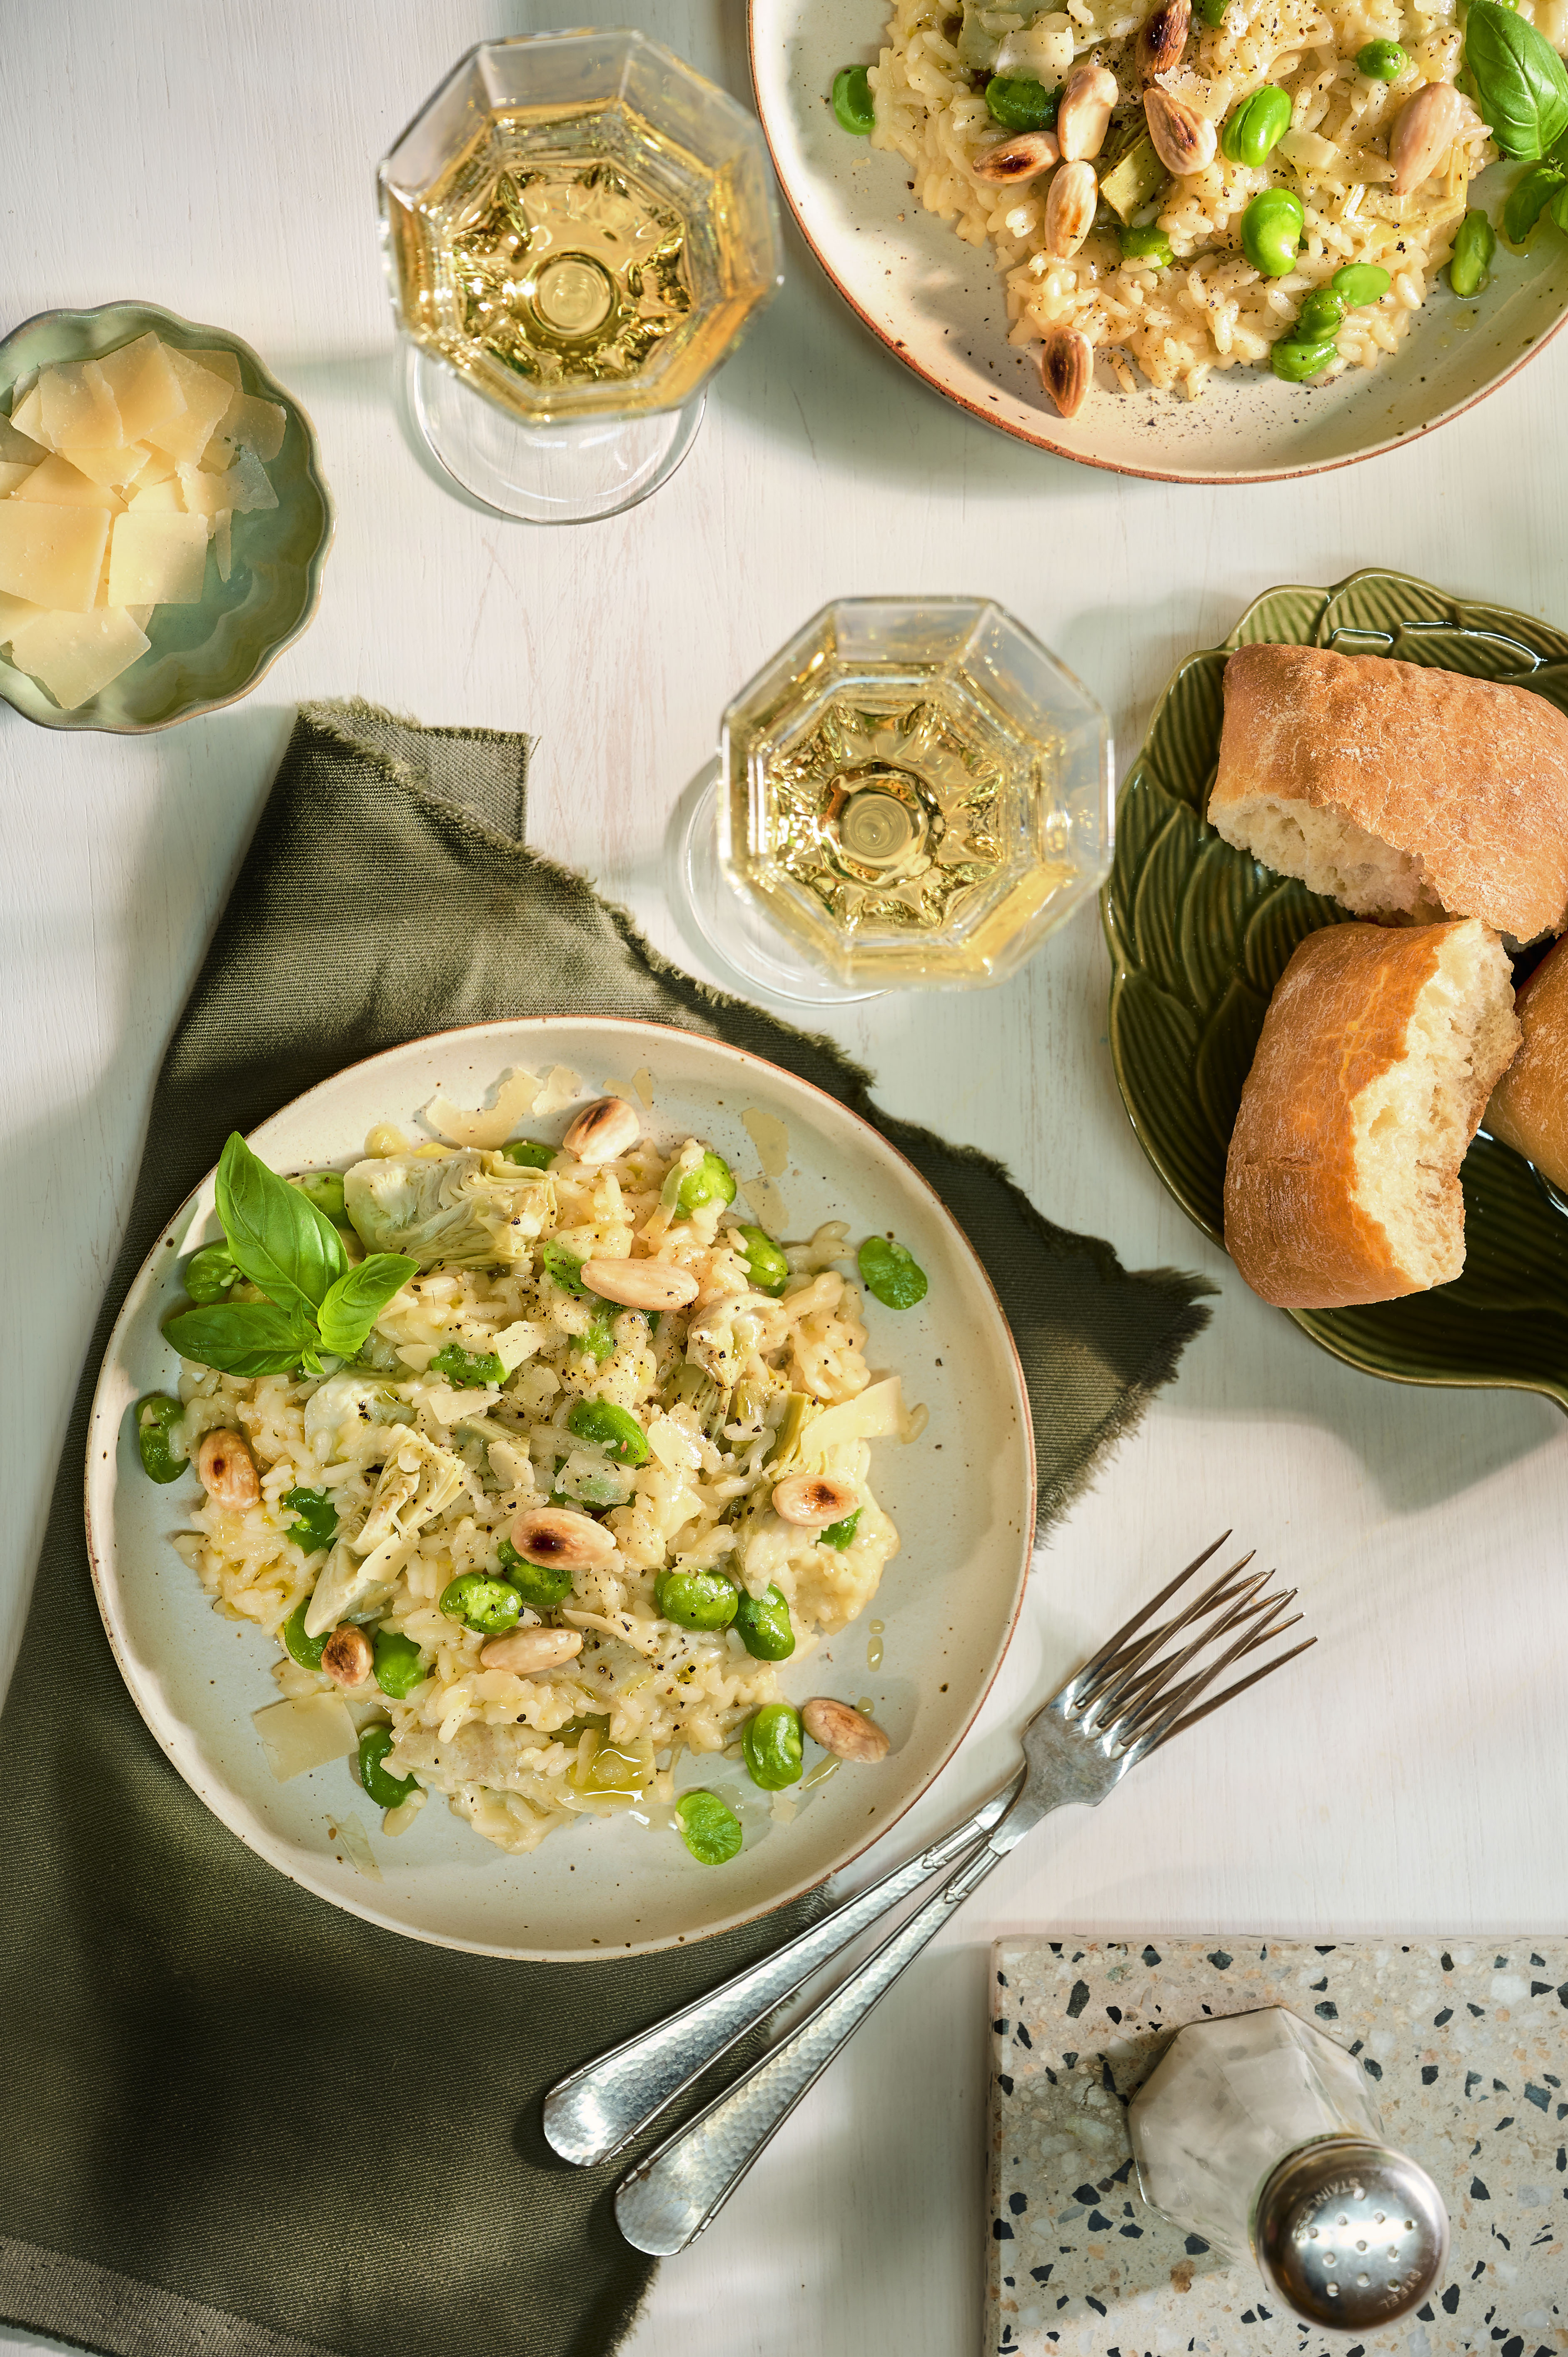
[(207, 655), (1199, 934)]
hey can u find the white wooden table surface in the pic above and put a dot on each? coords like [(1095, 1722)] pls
[(217, 158)]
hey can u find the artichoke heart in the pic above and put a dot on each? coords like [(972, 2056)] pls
[(417, 1481), (466, 1210)]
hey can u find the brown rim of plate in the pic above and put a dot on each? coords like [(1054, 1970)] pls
[(800, 1890), (1086, 457)]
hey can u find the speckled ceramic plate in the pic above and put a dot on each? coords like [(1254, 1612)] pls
[(210, 654), (938, 303), (949, 1601), (1199, 934)]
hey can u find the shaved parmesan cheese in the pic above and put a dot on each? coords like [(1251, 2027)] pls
[(158, 560), (561, 1088), (12, 472), (247, 487), (14, 610), (146, 391), (52, 555), (76, 654), (18, 448), (58, 484), (162, 498), (356, 1847), (488, 1127), (114, 468), (160, 468), (518, 1341), (207, 396), (877, 1414), (77, 406), (305, 1733), (225, 364), (223, 541), (250, 423), (28, 418)]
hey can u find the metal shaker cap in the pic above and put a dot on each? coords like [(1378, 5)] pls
[(1350, 2233)]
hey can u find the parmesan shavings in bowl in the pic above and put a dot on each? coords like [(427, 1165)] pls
[(116, 474)]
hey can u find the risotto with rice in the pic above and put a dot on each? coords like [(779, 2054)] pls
[(1117, 202), (601, 1462)]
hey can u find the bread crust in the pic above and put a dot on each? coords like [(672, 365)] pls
[(1337, 1022), (1529, 1107), (1468, 776)]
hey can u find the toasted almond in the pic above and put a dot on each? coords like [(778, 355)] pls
[(640, 1284), (1084, 115), (346, 1656), (847, 1734), (227, 1470), (1069, 207), (1427, 128), (1014, 161), (814, 1499), (527, 1650), (1185, 141), (1162, 37), (603, 1131), (1066, 368), (554, 1535)]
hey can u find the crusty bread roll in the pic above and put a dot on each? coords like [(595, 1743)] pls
[(1378, 1050), (1397, 789), (1529, 1109)]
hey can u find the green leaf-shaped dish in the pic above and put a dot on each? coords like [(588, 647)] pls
[(1199, 934), (206, 655)]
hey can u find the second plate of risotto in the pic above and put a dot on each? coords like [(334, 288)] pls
[(561, 1488), (1208, 240)]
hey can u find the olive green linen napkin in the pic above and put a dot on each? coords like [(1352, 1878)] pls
[(234, 2120)]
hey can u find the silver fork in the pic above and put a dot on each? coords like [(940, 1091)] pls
[(1131, 1697)]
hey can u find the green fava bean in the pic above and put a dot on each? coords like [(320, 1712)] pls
[(488, 1606), (839, 1534), (1475, 243), (1295, 362), (1258, 124), (696, 1599), (891, 1272), (772, 1747), (1381, 62), (1360, 282), (400, 1664), (306, 1651), (712, 1181), (1272, 229), (765, 1264), (466, 1370), (710, 1829), (763, 1625), (158, 1416), (1149, 244), (211, 1275), (386, 1791), (325, 1188), (853, 101), (1321, 317), (528, 1154), (315, 1519), (1021, 104), (613, 1429), (542, 1586)]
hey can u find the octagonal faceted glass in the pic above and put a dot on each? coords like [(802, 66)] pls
[(916, 792), (579, 225)]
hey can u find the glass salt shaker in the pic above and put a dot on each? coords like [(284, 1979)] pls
[(1258, 2133)]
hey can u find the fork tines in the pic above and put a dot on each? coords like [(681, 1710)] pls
[(1136, 1693)]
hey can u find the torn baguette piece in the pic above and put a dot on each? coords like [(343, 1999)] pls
[(1379, 1051), (1529, 1107), (1397, 789)]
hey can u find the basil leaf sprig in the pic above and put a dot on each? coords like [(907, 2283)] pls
[(288, 1248), (1520, 82)]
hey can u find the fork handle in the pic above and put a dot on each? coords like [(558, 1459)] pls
[(666, 2201), (591, 2115)]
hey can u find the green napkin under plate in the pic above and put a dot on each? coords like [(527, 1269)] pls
[(220, 2131)]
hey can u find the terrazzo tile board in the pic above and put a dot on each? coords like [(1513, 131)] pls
[(1468, 2042)]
